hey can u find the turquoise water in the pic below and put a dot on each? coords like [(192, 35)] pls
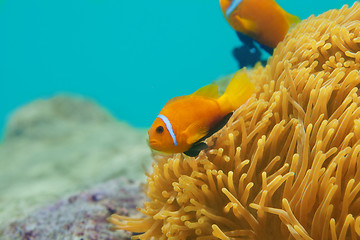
[(130, 56)]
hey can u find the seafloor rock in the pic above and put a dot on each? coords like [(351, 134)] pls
[(80, 216), (59, 146)]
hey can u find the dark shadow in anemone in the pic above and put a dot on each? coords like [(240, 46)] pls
[(249, 53), (137, 233), (247, 58)]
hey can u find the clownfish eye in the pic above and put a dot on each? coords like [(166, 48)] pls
[(159, 129)]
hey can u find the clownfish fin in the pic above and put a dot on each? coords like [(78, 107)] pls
[(292, 19), (199, 145), (247, 25), (210, 91), (196, 149), (237, 92), (219, 126), (194, 132)]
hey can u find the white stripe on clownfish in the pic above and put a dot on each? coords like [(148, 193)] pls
[(168, 127), (232, 7)]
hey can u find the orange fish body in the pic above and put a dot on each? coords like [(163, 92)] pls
[(185, 120), (190, 121), (263, 20)]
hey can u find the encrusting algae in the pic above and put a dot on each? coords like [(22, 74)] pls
[(287, 164)]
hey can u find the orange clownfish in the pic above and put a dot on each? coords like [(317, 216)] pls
[(263, 20), (185, 121)]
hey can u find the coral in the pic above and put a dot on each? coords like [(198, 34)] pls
[(287, 164)]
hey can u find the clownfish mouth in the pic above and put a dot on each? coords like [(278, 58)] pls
[(153, 143)]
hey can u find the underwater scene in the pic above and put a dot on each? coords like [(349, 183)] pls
[(204, 120)]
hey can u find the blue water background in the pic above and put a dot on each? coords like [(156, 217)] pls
[(130, 56)]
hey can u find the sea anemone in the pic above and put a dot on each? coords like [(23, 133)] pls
[(287, 164)]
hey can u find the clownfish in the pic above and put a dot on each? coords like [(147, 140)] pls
[(186, 121), (261, 20)]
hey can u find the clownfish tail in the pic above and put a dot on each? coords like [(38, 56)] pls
[(237, 92)]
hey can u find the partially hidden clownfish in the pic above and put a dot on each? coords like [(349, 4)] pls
[(186, 121), (261, 20)]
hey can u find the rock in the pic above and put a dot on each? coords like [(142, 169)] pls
[(80, 216), (59, 114), (62, 145)]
